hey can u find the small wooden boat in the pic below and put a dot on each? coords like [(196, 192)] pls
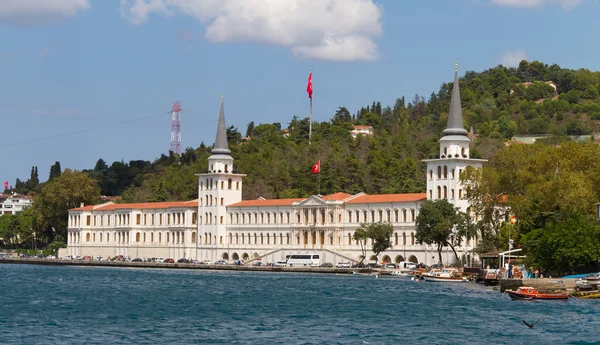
[(450, 275), (530, 293)]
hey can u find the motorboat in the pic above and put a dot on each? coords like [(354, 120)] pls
[(584, 284), (403, 274), (445, 275), (531, 293)]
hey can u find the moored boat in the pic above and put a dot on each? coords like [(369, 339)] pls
[(531, 293), (451, 275)]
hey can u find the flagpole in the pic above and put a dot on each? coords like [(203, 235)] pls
[(319, 179), (310, 123)]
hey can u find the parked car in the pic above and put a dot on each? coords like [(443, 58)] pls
[(343, 265), (326, 264), (220, 262), (208, 262), (169, 261), (137, 260), (183, 261), (257, 263)]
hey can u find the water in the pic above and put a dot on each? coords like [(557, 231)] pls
[(93, 305)]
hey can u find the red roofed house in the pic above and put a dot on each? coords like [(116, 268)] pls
[(220, 225), (364, 130)]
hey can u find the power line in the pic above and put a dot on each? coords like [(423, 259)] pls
[(56, 136)]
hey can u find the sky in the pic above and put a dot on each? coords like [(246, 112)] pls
[(89, 79)]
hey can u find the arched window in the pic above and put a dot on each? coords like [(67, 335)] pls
[(228, 182), (462, 151), (87, 237), (412, 238), (439, 192), (227, 170), (445, 171), (396, 239), (445, 192), (404, 238), (137, 236), (144, 237), (439, 172)]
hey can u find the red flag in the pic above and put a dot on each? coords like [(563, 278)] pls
[(309, 86), (5, 184), (317, 167)]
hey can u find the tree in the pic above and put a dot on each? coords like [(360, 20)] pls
[(64, 192), (568, 243), (435, 224), (233, 135), (250, 129), (380, 233), (55, 170)]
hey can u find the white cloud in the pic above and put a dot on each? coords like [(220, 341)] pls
[(339, 30), (566, 4), (512, 58), (36, 11)]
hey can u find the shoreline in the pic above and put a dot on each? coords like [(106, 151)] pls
[(60, 262)]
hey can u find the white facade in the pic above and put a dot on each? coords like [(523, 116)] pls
[(13, 203)]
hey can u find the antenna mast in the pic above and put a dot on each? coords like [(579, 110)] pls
[(176, 128)]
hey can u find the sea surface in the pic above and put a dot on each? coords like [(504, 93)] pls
[(96, 305)]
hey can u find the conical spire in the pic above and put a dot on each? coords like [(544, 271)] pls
[(455, 119), (221, 140)]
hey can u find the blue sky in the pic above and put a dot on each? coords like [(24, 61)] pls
[(89, 79)]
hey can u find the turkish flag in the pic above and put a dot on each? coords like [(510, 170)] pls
[(309, 86), (5, 184), (317, 167)]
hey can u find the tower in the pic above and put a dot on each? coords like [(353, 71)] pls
[(443, 173), (176, 128), (217, 188)]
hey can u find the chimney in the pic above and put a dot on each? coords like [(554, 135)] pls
[(81, 204)]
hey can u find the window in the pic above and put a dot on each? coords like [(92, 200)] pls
[(227, 169), (452, 193), (87, 222), (452, 173), (222, 184), (228, 181), (439, 192), (237, 185), (221, 219), (439, 171), (430, 194), (445, 192), (222, 201), (138, 219), (430, 174), (445, 171), (460, 193)]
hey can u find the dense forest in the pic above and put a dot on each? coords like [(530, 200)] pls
[(498, 103)]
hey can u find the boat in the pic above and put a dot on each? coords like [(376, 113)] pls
[(451, 275), (531, 293), (403, 274), (583, 284)]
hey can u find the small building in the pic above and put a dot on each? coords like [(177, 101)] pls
[(13, 203), (363, 130)]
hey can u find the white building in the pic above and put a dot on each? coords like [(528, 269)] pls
[(220, 225), (13, 203), (361, 130)]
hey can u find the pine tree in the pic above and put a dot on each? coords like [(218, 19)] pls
[(55, 170)]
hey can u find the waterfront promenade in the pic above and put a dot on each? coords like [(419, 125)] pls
[(94, 263)]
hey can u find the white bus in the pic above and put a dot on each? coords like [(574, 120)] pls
[(303, 260)]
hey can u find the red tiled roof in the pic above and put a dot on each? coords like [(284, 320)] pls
[(388, 198), (362, 127), (265, 202), (138, 206), (336, 196)]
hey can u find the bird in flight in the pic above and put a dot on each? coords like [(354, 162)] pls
[(530, 325)]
